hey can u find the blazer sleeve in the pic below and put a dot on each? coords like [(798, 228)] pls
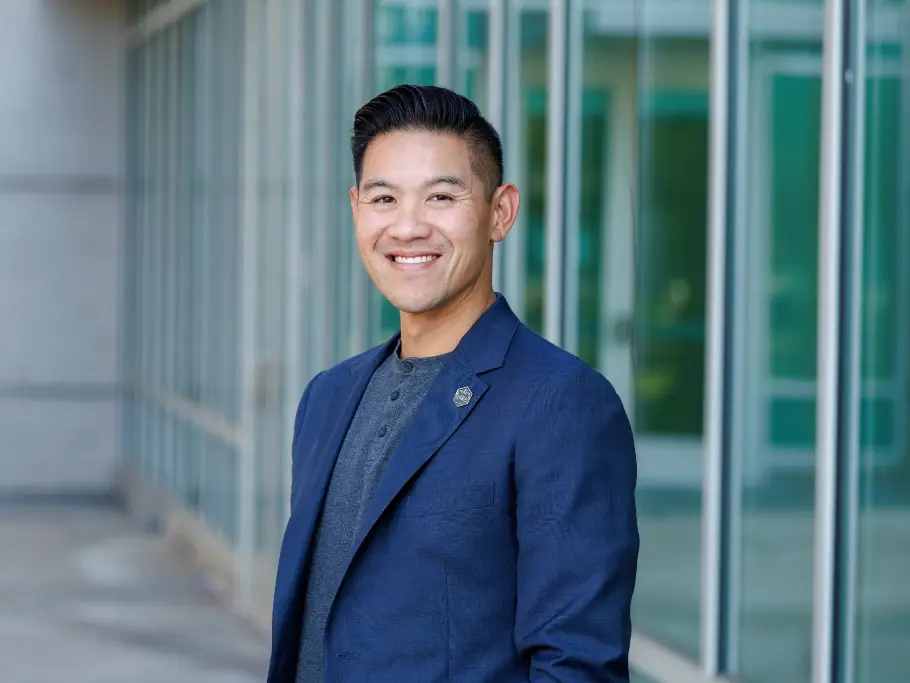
[(575, 476)]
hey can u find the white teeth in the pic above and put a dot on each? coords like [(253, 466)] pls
[(415, 259)]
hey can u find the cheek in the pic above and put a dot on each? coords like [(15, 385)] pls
[(471, 244), (366, 236)]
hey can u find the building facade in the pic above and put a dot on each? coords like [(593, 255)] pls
[(715, 214), (61, 153)]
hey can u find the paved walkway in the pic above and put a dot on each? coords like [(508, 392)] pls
[(87, 597)]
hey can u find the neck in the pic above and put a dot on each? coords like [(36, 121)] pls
[(438, 331)]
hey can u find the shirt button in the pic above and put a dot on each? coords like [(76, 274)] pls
[(383, 431), (395, 395), (407, 367)]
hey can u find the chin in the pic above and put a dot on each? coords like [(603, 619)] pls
[(416, 304)]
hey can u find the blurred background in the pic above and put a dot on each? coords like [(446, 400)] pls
[(715, 214)]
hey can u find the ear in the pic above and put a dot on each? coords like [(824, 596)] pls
[(505, 202), (355, 194)]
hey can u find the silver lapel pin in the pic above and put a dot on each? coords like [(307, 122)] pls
[(462, 397)]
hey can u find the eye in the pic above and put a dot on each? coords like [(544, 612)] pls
[(440, 198), (382, 199)]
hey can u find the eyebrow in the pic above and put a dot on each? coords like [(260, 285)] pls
[(453, 180)]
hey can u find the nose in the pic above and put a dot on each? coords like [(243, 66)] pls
[(409, 225)]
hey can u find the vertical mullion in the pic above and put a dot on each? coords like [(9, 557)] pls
[(157, 225), (558, 18), (721, 198), (851, 444), (496, 99), (170, 268), (249, 185), (362, 69), (446, 28), (323, 139), (902, 362), (204, 131), (513, 258), (293, 231), (362, 72), (573, 102), (829, 345)]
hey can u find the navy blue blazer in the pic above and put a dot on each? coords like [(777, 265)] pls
[(501, 544)]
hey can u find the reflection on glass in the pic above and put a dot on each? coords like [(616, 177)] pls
[(774, 349), (882, 610), (405, 43), (472, 50), (527, 134)]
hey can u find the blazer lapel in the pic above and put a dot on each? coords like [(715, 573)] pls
[(435, 421), (483, 348)]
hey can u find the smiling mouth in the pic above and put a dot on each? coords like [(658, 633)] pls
[(426, 258)]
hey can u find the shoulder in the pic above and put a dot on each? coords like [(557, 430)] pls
[(324, 382), (552, 375), (343, 370)]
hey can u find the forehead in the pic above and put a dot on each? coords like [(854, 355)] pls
[(407, 152)]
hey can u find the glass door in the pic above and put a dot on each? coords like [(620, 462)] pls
[(667, 330)]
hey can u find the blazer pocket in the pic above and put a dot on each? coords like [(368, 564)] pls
[(454, 499)]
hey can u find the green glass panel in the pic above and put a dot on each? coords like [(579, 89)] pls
[(672, 266), (795, 136), (792, 422)]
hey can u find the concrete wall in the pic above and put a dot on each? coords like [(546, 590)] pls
[(61, 97)]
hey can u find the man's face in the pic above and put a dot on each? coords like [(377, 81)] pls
[(423, 222)]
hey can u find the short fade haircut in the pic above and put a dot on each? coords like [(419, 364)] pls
[(433, 109)]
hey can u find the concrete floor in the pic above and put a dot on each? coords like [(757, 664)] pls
[(87, 597)]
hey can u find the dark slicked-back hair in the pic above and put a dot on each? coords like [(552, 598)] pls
[(434, 109)]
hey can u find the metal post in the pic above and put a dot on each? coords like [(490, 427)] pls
[(556, 165), (829, 347), (715, 346), (249, 174), (445, 43), (496, 101)]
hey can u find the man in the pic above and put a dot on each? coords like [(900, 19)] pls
[(463, 495)]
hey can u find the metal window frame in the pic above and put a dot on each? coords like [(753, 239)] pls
[(362, 76), (293, 234), (571, 218), (446, 29), (159, 126), (554, 228), (320, 184), (830, 297), (246, 321), (513, 254), (714, 481), (846, 524), (496, 84)]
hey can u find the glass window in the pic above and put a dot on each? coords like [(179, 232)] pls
[(636, 278), (405, 43), (881, 619), (270, 311), (775, 272), (524, 136), (472, 50)]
